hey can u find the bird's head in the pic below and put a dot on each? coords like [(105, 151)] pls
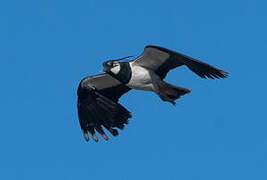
[(112, 66)]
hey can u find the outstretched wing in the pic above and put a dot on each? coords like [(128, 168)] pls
[(98, 106), (162, 60)]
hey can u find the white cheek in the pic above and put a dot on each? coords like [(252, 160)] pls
[(116, 69)]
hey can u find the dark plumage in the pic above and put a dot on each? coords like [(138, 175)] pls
[(98, 105), (98, 95)]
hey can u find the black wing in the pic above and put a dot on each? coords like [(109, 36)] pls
[(162, 60), (98, 106)]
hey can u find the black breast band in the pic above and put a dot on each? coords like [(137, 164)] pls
[(124, 74)]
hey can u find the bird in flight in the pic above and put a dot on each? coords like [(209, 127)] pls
[(98, 95)]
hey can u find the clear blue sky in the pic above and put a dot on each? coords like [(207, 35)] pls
[(217, 132)]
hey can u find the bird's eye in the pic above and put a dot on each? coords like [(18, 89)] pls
[(115, 64)]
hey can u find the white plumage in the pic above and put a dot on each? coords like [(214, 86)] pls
[(143, 79)]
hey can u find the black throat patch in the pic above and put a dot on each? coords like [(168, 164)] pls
[(124, 74)]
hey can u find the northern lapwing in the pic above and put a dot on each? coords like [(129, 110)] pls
[(98, 95)]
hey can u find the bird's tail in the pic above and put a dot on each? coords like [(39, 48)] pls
[(170, 93), (204, 70)]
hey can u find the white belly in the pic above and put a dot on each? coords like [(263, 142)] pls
[(143, 79)]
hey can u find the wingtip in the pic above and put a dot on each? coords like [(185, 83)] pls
[(114, 132), (104, 136), (226, 74), (95, 138), (85, 135), (221, 73)]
